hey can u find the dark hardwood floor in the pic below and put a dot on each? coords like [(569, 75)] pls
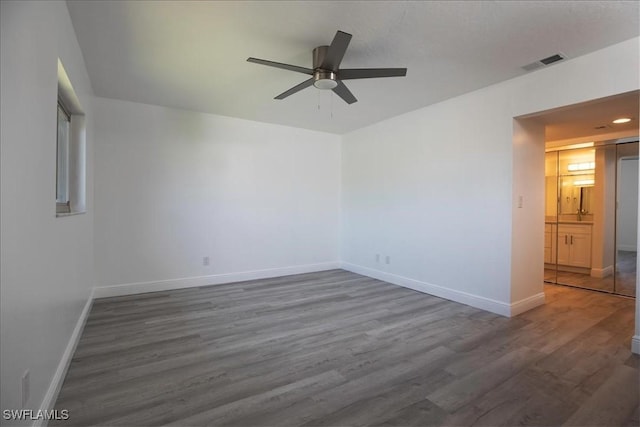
[(336, 348)]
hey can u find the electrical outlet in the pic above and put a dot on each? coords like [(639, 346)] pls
[(387, 259), (377, 258), (25, 385), (205, 261)]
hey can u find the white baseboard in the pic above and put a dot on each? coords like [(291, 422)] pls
[(635, 344), (527, 304), (216, 279), (601, 273), (477, 301), (58, 377)]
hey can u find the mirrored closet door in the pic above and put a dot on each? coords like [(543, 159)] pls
[(591, 216), (626, 219)]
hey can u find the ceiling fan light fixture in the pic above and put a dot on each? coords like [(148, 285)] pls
[(324, 79)]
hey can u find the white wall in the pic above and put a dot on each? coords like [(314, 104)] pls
[(46, 262), (431, 189), (627, 225), (175, 186), (434, 188)]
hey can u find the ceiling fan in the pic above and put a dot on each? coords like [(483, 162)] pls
[(326, 72)]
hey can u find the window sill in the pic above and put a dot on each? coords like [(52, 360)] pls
[(58, 215)]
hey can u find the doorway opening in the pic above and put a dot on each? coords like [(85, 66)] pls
[(576, 165)]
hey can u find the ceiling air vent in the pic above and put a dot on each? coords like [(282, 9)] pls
[(544, 62)]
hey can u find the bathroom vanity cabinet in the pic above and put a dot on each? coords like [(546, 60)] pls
[(570, 241), (574, 245)]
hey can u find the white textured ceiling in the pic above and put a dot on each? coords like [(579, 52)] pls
[(192, 55)]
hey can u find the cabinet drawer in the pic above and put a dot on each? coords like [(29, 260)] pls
[(574, 229)]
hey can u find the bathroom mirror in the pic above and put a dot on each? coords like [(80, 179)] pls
[(576, 194)]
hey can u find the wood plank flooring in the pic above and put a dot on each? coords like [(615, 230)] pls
[(335, 348)]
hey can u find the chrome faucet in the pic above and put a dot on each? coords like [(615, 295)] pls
[(581, 212)]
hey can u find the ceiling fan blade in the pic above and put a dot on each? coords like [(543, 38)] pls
[(344, 93), (281, 65), (369, 73), (336, 51), (295, 89)]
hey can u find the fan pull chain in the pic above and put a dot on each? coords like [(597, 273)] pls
[(331, 105)]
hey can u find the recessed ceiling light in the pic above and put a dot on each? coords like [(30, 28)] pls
[(622, 120)]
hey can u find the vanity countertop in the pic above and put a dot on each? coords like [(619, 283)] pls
[(570, 222)]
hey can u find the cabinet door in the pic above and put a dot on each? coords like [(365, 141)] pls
[(580, 254), (564, 246), (547, 243)]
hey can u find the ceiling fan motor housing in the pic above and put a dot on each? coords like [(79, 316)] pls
[(319, 54)]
